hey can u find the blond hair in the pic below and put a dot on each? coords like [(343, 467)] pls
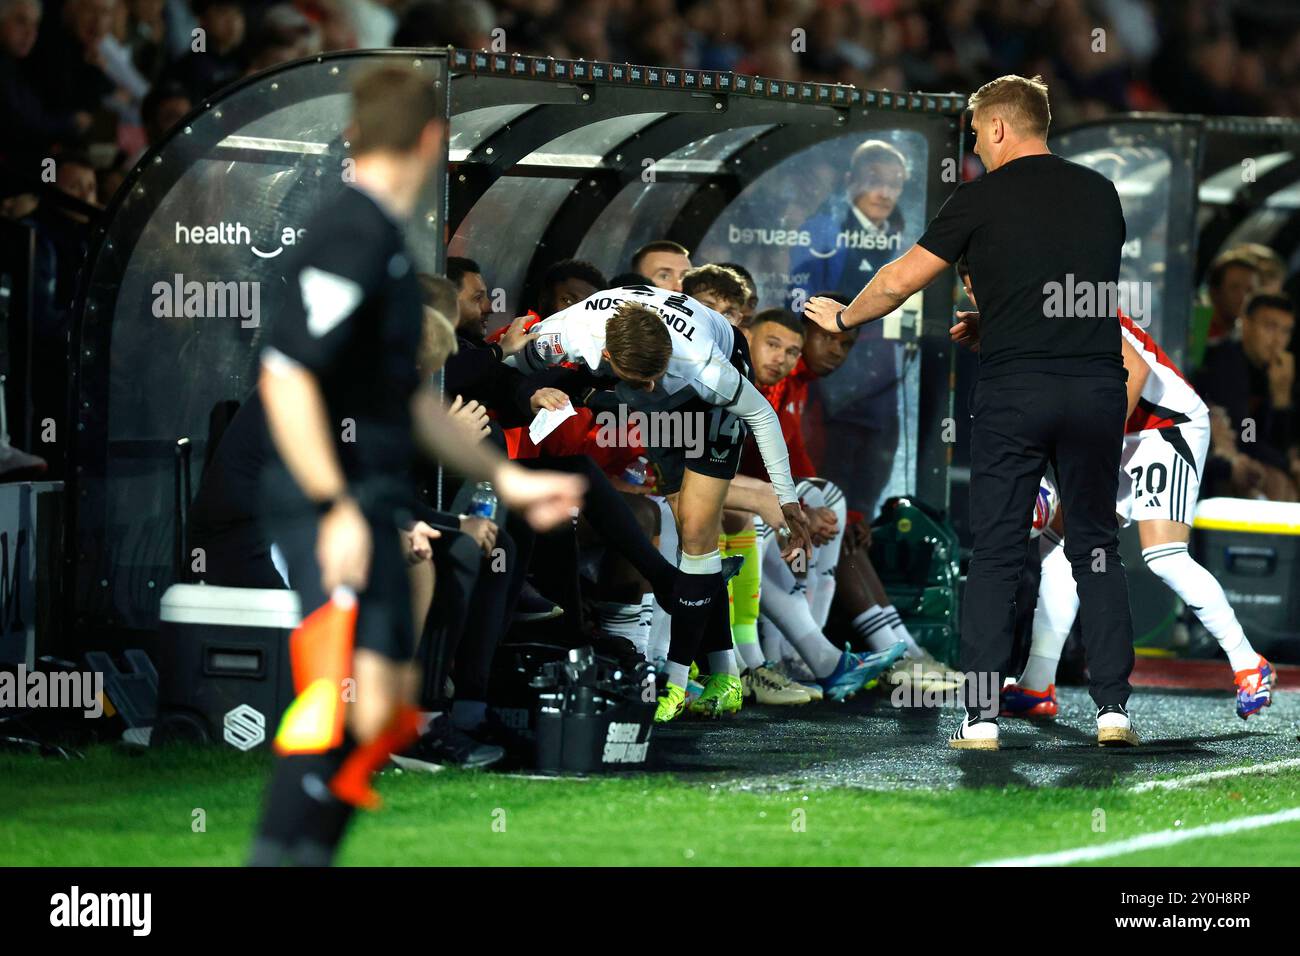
[(1021, 103)]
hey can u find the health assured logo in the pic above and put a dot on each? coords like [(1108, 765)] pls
[(236, 234)]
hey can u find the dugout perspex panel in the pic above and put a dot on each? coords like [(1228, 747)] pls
[(217, 203), (1192, 187), (547, 159)]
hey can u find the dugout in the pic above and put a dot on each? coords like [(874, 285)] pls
[(547, 159)]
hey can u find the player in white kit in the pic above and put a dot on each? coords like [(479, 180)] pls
[(1166, 439), (668, 353)]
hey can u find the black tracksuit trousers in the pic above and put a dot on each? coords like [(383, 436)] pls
[(1020, 423)]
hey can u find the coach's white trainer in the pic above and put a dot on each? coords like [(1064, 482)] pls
[(978, 734), (1114, 728)]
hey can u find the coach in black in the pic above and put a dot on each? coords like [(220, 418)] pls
[(1042, 236)]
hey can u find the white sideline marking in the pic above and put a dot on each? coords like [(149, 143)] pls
[(1215, 775), (1149, 841)]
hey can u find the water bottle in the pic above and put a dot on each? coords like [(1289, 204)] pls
[(483, 504), (636, 473)]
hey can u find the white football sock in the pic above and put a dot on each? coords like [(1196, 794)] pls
[(751, 655), (661, 632), (723, 662), (901, 633), (872, 625), (621, 620), (1058, 605), (826, 557), (785, 606), (1204, 597)]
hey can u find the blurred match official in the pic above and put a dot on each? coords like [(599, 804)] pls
[(1042, 237), (346, 406)]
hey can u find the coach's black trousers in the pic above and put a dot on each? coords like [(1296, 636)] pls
[(1020, 423)]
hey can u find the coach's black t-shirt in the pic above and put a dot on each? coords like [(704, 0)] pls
[(356, 324), (1036, 233)]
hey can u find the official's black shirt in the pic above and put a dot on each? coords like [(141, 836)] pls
[(1036, 221), (356, 324)]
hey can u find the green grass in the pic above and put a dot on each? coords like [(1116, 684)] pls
[(116, 808)]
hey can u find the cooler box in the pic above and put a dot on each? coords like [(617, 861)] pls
[(225, 675), (1253, 549)]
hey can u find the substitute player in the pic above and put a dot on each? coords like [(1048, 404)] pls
[(672, 354), (343, 399)]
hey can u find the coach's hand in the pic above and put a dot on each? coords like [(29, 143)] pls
[(967, 330), (546, 498), (823, 311), (799, 537), (343, 547), (515, 337)]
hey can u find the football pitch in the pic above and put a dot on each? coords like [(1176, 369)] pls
[(854, 784)]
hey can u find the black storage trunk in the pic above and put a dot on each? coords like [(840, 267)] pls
[(1253, 549)]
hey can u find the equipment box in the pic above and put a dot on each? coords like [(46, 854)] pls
[(225, 674), (1253, 549)]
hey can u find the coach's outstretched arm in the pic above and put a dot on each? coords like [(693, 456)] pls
[(759, 415), (892, 285)]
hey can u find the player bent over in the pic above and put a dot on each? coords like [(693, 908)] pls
[(672, 354), (345, 407)]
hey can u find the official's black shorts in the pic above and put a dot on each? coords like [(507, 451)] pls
[(384, 622), (721, 441)]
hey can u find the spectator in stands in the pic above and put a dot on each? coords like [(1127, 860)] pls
[(663, 262), (71, 69), (283, 34), (28, 113), (164, 107), (1254, 380), (1268, 264), (1232, 279), (146, 37), (215, 58), (461, 23)]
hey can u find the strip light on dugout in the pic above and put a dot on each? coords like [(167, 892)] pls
[(674, 78)]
